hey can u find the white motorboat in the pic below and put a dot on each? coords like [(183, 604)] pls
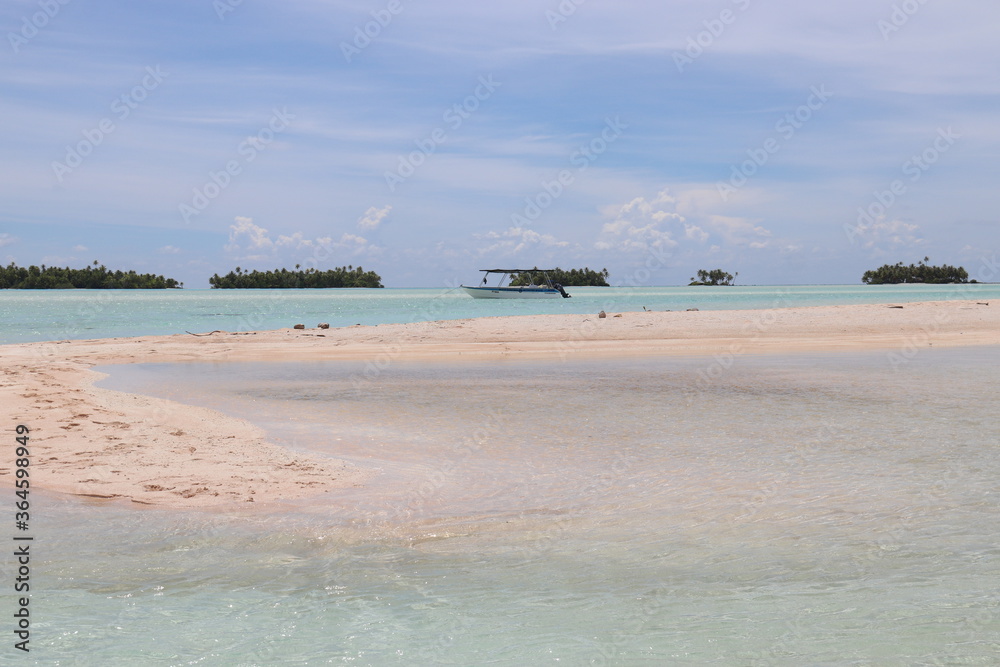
[(546, 290)]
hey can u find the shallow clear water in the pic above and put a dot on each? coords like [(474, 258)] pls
[(817, 509), (41, 315)]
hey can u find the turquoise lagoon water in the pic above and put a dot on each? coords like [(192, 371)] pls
[(40, 315), (811, 510), (802, 510)]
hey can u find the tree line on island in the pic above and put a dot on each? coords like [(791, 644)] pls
[(888, 274), (92, 277), (893, 274), (97, 276), (713, 277), (584, 277), (349, 276)]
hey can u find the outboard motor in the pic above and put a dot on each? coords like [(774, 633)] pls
[(559, 287)]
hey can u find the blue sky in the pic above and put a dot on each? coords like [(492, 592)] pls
[(792, 142)]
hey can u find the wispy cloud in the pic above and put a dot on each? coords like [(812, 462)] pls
[(353, 120), (888, 235), (373, 217), (518, 241), (251, 242), (641, 225)]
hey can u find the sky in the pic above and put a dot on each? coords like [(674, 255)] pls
[(791, 142)]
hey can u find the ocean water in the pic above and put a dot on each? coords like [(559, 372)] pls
[(44, 315), (830, 509)]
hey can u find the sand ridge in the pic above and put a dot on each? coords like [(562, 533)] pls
[(98, 443)]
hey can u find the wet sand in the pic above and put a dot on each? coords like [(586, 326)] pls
[(98, 443)]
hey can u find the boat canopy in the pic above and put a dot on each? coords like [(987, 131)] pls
[(516, 270)]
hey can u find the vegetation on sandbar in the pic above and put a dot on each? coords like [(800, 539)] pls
[(713, 277), (893, 274), (349, 276), (93, 277), (584, 277)]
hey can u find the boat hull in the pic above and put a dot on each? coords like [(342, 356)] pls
[(512, 292)]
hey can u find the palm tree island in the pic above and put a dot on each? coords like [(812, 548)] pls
[(95, 276), (584, 277), (893, 274), (349, 276), (713, 277)]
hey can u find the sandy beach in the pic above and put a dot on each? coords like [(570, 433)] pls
[(93, 442)]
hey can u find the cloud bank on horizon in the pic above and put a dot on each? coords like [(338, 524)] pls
[(791, 142)]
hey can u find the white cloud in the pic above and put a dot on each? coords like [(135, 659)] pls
[(695, 233), (80, 248), (889, 234), (352, 240), (248, 241), (642, 225), (515, 240), (7, 239), (295, 241), (169, 250), (373, 217), (680, 224), (355, 245), (246, 236), (739, 231)]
